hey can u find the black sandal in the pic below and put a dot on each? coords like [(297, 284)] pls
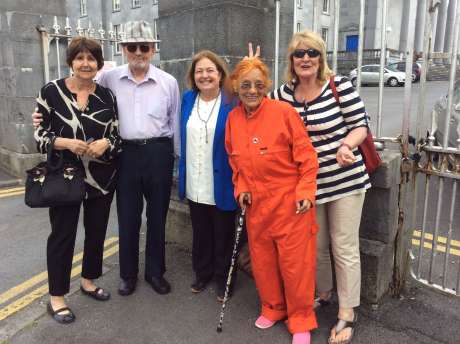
[(342, 325), (97, 294), (65, 318), (321, 303)]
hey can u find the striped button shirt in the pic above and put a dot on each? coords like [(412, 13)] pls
[(328, 123)]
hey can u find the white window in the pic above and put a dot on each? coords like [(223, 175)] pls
[(115, 5), (299, 3), (136, 3), (326, 4), (117, 30), (83, 9), (298, 27), (325, 35)]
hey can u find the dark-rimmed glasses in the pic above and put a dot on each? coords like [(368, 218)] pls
[(300, 53), (132, 48)]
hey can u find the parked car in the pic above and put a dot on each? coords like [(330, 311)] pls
[(401, 67), (441, 113), (370, 75)]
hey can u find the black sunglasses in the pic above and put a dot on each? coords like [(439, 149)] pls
[(300, 53), (132, 48)]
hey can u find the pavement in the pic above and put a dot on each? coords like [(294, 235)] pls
[(420, 316), (7, 180)]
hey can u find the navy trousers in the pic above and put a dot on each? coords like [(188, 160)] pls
[(145, 172)]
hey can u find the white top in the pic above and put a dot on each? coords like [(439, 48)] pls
[(199, 175)]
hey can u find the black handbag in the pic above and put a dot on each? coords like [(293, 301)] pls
[(54, 185)]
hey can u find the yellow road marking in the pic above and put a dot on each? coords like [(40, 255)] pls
[(13, 292), (441, 239), (41, 291), (439, 248), (5, 191), (12, 194)]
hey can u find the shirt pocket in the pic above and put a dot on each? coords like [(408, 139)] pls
[(158, 109)]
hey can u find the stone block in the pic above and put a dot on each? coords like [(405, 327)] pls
[(388, 174), (379, 219), (16, 163), (376, 269)]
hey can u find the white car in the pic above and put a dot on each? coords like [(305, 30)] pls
[(370, 75)]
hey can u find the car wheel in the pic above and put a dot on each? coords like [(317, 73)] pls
[(414, 78), (354, 82), (393, 82)]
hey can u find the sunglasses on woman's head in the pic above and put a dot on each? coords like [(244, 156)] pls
[(300, 53), (132, 48)]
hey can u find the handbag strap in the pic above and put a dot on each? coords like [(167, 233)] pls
[(334, 89), (49, 157)]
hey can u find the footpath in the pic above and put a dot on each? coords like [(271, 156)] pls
[(421, 316)]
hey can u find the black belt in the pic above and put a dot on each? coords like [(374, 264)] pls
[(142, 142)]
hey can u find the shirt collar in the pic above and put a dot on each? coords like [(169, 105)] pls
[(151, 73)]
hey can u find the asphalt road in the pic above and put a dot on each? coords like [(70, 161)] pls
[(393, 106)]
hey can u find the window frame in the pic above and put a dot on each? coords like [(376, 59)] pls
[(114, 2), (299, 3), (325, 39), (116, 30), (326, 6), (136, 3), (83, 8)]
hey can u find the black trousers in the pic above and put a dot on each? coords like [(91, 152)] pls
[(145, 172), (61, 241), (213, 239)]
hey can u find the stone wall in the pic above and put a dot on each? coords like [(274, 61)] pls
[(21, 76)]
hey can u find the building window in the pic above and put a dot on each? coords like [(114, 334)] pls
[(136, 3), (83, 9), (326, 4), (299, 3), (115, 5), (298, 27), (117, 30), (325, 35)]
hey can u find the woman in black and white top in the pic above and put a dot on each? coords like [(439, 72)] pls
[(335, 129), (80, 118)]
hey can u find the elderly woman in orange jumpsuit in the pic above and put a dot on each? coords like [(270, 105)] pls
[(274, 172)]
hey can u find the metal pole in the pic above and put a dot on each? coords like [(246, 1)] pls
[(336, 35), (45, 52), (408, 83), (453, 66), (277, 40), (422, 91), (383, 46), (360, 44), (314, 25)]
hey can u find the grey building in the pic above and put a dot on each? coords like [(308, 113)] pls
[(111, 15)]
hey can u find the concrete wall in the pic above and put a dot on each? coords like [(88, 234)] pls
[(21, 76)]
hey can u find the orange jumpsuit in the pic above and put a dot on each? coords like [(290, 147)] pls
[(272, 158)]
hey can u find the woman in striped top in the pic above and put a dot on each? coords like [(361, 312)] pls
[(336, 128)]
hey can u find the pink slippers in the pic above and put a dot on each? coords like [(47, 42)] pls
[(264, 323), (301, 338)]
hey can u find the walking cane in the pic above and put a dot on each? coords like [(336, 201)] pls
[(239, 230)]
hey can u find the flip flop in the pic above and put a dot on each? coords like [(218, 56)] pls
[(340, 326)]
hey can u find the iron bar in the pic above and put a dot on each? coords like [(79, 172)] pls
[(449, 234), (434, 252), (336, 35), (423, 229), (360, 44), (383, 46), (422, 89), (277, 40), (453, 67), (56, 28)]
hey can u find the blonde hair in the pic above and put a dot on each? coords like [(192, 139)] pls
[(244, 67), (214, 58), (312, 40)]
